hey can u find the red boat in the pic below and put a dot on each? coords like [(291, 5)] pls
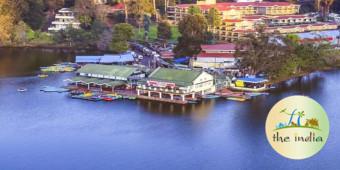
[(108, 99)]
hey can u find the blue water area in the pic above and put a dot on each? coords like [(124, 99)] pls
[(40, 131)]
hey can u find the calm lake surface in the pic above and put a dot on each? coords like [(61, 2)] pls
[(51, 131)]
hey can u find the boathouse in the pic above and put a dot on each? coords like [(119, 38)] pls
[(175, 85), (107, 76)]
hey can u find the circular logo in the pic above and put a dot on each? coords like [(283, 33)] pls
[(297, 127)]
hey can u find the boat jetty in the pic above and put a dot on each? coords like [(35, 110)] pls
[(98, 82)]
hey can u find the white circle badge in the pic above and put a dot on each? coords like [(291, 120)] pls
[(297, 127)]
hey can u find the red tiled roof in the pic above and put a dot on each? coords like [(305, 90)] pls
[(167, 54), (119, 6), (230, 5), (232, 20), (215, 55), (229, 46)]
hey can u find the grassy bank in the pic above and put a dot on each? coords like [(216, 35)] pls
[(139, 34)]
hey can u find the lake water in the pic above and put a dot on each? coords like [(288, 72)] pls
[(51, 131)]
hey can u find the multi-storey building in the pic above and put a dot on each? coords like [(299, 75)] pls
[(242, 17), (65, 18), (176, 86), (215, 56)]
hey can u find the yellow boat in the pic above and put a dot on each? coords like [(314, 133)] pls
[(87, 94), (237, 99)]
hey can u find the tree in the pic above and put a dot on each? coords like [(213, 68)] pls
[(139, 8), (214, 19), (164, 32), (122, 33), (194, 9), (34, 16), (53, 5), (193, 30), (5, 29), (19, 33), (9, 17), (86, 12), (280, 57), (260, 53)]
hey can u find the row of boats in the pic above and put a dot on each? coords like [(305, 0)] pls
[(93, 96), (62, 67), (235, 96)]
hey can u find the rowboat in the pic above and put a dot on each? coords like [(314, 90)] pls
[(192, 101), (93, 98), (210, 96), (54, 89), (240, 99), (88, 94), (42, 75), (255, 94), (107, 99), (22, 89)]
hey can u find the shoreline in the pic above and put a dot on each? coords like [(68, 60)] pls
[(51, 47), (282, 80), (64, 48)]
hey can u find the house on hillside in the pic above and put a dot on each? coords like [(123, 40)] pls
[(176, 86), (65, 18)]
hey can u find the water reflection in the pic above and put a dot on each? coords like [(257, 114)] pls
[(213, 134), (26, 61), (162, 108)]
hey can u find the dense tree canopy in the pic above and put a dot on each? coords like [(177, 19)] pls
[(34, 15), (164, 31), (122, 33), (280, 56), (193, 30), (139, 8), (194, 9)]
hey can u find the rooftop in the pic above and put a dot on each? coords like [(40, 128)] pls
[(230, 5), (215, 55), (252, 80), (97, 81), (108, 70), (214, 47), (179, 77)]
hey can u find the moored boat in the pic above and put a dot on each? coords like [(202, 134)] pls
[(22, 89), (210, 96), (54, 89), (240, 99), (255, 94), (42, 75), (250, 84)]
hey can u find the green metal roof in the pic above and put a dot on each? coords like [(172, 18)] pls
[(179, 77), (111, 83), (108, 70)]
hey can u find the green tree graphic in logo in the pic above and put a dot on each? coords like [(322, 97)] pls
[(309, 123)]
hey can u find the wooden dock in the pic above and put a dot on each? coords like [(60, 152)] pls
[(162, 99)]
